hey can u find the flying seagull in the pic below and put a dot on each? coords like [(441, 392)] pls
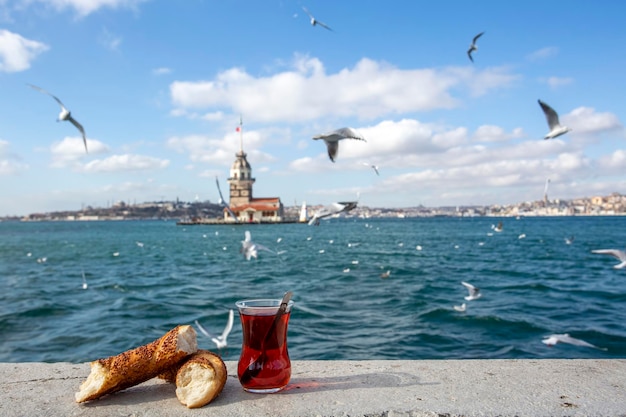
[(474, 293), (553, 122), (374, 167), (553, 339), (65, 114), (473, 46), (249, 248), (332, 209), (617, 253), (220, 341), (332, 139), (222, 203), (314, 21)]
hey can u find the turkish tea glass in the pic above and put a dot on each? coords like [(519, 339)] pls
[(264, 365)]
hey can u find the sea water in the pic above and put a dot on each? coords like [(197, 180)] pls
[(145, 277)]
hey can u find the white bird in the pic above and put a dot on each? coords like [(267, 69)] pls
[(249, 248), (553, 122), (553, 339), (314, 21), (473, 46), (617, 253), (385, 274), (332, 209), (222, 203), (374, 167), (65, 114), (332, 139), (220, 341), (474, 293), (461, 308), (569, 240)]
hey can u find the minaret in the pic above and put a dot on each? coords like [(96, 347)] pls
[(240, 179)]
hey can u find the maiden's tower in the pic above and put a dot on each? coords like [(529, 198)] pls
[(246, 207)]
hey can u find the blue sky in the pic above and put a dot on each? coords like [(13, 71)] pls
[(159, 87)]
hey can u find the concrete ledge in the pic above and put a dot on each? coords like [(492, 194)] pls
[(569, 387)]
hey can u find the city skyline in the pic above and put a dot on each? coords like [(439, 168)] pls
[(160, 89)]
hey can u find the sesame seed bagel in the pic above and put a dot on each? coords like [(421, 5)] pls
[(137, 365)]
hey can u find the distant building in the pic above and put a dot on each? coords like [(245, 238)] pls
[(242, 202)]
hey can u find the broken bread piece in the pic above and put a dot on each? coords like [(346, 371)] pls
[(137, 365), (199, 379)]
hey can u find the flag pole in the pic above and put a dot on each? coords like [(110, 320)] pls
[(241, 133)]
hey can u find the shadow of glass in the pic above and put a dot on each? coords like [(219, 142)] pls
[(369, 380)]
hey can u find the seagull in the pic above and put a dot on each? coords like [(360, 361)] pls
[(249, 248), (553, 122), (553, 339), (314, 21), (385, 274), (334, 208), (332, 139), (374, 167), (569, 240), (65, 114), (498, 228), (619, 254), (474, 293), (473, 46), (460, 308), (220, 341), (222, 203)]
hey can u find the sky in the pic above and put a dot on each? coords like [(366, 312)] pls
[(160, 87)]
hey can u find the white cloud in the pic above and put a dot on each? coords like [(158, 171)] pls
[(616, 161), (585, 120), (556, 82), (491, 133), (17, 52), (543, 53), (109, 40), (201, 148), (161, 71), (86, 7), (9, 163), (126, 162), (71, 150), (306, 92)]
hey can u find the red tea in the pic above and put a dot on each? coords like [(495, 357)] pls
[(275, 367)]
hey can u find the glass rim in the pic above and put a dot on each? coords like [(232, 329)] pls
[(261, 307), (267, 303)]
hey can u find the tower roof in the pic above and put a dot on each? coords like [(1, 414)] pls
[(241, 162)]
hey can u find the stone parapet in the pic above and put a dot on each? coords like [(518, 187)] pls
[(569, 387)]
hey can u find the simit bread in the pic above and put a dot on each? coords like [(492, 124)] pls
[(134, 366)]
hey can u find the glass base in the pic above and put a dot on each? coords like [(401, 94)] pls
[(263, 390)]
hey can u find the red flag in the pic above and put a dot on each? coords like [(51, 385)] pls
[(238, 129)]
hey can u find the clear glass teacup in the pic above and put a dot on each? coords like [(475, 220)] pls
[(264, 365)]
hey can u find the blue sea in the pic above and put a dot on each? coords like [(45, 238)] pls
[(145, 277)]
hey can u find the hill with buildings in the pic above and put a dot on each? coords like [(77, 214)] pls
[(611, 205)]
